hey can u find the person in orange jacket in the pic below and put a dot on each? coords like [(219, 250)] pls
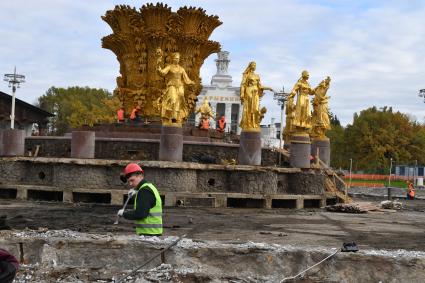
[(221, 124), (120, 115), (410, 190), (204, 124), (134, 116)]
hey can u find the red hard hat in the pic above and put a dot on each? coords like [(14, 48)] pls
[(132, 168)]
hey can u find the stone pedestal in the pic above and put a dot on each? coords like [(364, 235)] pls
[(322, 145), (250, 148), (300, 149), (82, 144), (12, 142), (171, 144)]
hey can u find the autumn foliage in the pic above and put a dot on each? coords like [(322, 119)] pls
[(374, 137), (77, 106)]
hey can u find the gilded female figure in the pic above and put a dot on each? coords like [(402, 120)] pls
[(206, 114), (321, 121), (302, 115), (290, 114), (173, 108), (251, 92), (205, 110)]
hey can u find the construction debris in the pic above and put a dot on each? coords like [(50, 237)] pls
[(388, 204), (357, 207)]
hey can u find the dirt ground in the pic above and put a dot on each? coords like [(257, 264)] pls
[(314, 227)]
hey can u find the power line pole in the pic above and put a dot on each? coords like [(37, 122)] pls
[(281, 98), (14, 81), (422, 93)]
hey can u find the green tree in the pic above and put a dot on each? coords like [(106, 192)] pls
[(334, 120), (377, 135), (336, 136), (77, 106)]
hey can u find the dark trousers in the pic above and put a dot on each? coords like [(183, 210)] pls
[(7, 272)]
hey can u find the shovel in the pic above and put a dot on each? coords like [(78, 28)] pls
[(125, 205)]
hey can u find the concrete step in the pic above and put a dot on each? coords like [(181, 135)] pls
[(170, 199)]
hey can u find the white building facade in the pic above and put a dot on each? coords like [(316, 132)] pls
[(223, 97), (270, 135)]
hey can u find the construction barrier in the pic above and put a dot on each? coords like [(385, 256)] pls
[(366, 184), (376, 177)]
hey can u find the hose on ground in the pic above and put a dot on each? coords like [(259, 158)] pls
[(304, 271)]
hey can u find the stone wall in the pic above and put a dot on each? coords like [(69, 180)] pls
[(67, 173), (138, 149), (105, 256), (306, 182), (49, 146)]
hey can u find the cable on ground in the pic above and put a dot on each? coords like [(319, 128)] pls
[(304, 271)]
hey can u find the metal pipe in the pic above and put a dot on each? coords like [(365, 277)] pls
[(282, 107), (351, 167), (14, 80), (12, 112)]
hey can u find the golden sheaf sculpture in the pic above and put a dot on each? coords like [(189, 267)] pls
[(136, 38)]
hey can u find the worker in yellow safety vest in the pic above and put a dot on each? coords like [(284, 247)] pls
[(147, 208)]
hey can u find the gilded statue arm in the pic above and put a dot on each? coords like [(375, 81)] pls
[(293, 92), (266, 88), (186, 78), (242, 90), (159, 70), (164, 71), (263, 88), (317, 90)]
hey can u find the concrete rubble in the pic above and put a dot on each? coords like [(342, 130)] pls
[(204, 261), (388, 204), (79, 243), (356, 207)]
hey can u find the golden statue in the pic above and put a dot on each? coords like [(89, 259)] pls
[(290, 115), (301, 122), (120, 91), (251, 92), (136, 34), (206, 114), (205, 110), (173, 107), (320, 120)]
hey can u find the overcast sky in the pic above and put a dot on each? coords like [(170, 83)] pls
[(373, 50)]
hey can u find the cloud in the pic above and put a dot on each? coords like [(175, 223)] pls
[(372, 50)]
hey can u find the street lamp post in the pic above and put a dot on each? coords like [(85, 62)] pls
[(389, 180), (415, 175), (14, 81), (281, 98), (351, 167), (422, 93)]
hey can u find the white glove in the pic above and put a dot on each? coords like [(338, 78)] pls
[(131, 192), (120, 212)]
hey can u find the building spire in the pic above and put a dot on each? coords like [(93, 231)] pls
[(222, 62), (222, 79)]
